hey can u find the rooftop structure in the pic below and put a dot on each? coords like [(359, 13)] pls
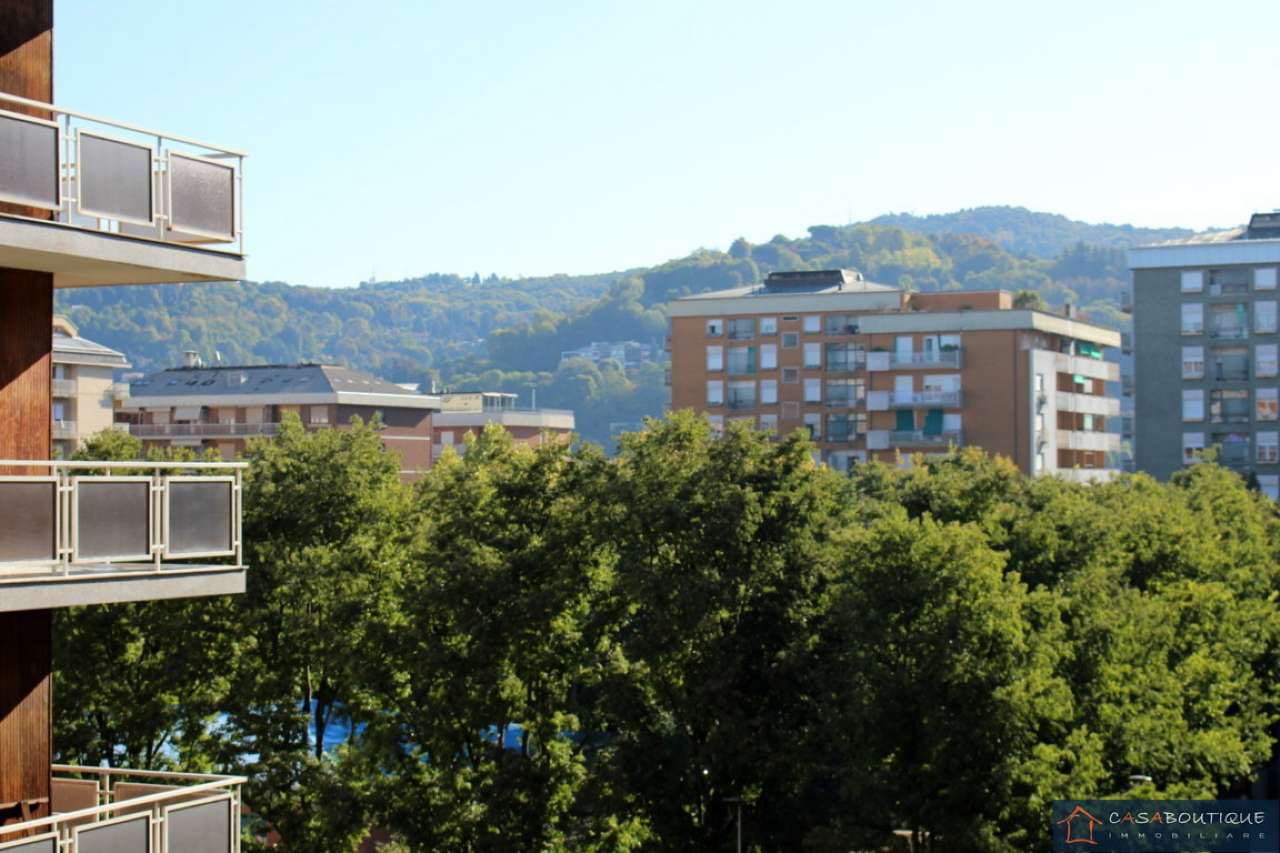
[(873, 371)]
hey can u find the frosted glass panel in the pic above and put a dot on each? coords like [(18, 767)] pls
[(42, 845), (28, 162), (130, 836), (115, 179), (204, 828), (26, 522), (113, 519), (199, 518), (203, 197)]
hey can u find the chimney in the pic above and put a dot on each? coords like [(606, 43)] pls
[(1069, 311), (191, 358)]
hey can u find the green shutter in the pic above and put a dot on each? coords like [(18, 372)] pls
[(906, 421), (933, 422)]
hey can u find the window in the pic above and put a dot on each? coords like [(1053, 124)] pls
[(790, 340), (1230, 364), (1192, 362), (1264, 278), (1265, 358), (813, 355), (1229, 322), (1264, 316), (1193, 318), (715, 393), (715, 358), (742, 360), (1229, 407), (845, 392), (1266, 404), (59, 411), (951, 422), (813, 423), (769, 357), (813, 390), (717, 423), (1039, 383), (742, 330), (60, 371), (715, 328), (742, 395), (844, 358), (790, 375), (812, 324), (319, 415), (1192, 447), (1270, 485), (1268, 447), (768, 325), (842, 324), (790, 411), (769, 422), (1192, 281), (1086, 423), (847, 426), (768, 391), (1192, 404), (1039, 423), (1228, 281)]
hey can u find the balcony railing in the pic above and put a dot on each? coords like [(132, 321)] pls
[(926, 358), (134, 517), (741, 402), (95, 174), (204, 430), (64, 387), (133, 811), (944, 399), (63, 429), (918, 438)]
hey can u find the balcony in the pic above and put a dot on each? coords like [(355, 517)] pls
[(741, 402), (104, 202), (63, 429), (64, 388), (918, 438), (75, 533), (1090, 368), (945, 359), (133, 811), (205, 430), (1083, 440), (1089, 404), (937, 399)]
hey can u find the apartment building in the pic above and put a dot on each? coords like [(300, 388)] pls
[(469, 412), (874, 372), (625, 353), (83, 387), (84, 202), (222, 407), (1205, 341)]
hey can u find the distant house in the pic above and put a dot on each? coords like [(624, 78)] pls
[(466, 412), (83, 387), (202, 407), (625, 353)]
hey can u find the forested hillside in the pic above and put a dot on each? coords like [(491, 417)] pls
[(506, 334)]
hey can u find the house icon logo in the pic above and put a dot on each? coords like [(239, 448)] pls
[(1079, 824)]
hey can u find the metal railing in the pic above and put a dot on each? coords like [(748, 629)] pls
[(137, 517), (133, 811), (925, 358), (63, 429), (920, 438), (96, 174), (64, 387), (950, 399), (212, 430)]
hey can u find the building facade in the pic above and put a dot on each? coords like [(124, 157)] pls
[(86, 201), (469, 412), (203, 407), (83, 387), (1205, 352), (875, 372), (625, 353)]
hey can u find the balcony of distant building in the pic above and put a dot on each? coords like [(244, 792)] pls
[(626, 354)]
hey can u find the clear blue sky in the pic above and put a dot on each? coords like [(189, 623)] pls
[(534, 138)]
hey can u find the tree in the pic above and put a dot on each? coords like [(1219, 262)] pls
[(1029, 299)]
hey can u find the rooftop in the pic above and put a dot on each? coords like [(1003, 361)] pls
[(75, 349), (807, 282), (278, 383)]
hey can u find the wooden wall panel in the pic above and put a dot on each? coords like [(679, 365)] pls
[(26, 64), (26, 704), (26, 364)]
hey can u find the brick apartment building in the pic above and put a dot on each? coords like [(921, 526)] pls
[(872, 371), (468, 412)]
